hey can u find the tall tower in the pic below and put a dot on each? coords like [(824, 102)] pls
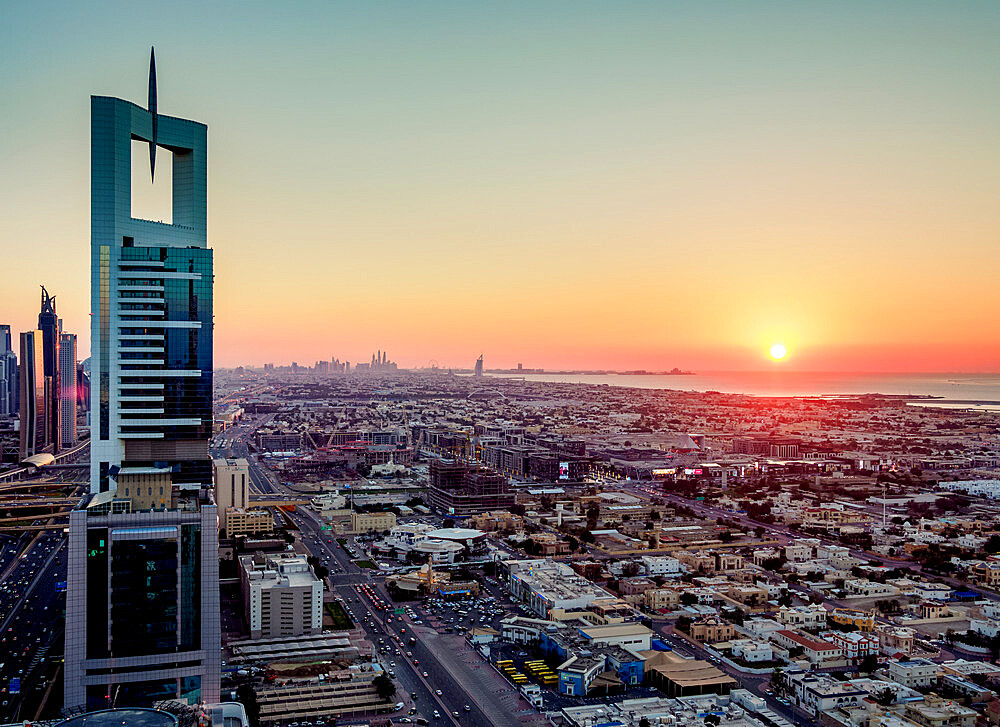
[(8, 374), (151, 303), (48, 324), (32, 395), (67, 390), (142, 600)]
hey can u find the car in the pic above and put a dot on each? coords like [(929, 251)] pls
[(467, 708), (437, 692), (455, 715), (426, 675)]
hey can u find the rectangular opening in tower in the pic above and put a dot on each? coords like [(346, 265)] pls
[(152, 199)]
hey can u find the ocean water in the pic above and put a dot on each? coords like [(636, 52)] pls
[(955, 390)]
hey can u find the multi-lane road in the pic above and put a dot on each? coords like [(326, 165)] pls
[(428, 668)]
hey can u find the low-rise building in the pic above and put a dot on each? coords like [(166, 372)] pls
[(818, 693), (711, 630), (372, 522), (896, 640), (751, 651), (661, 566), (914, 673), (855, 645), (247, 522), (867, 588), (940, 713), (816, 651), (543, 585), (812, 616), (862, 620)]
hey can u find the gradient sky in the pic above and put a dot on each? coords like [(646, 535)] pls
[(563, 184)]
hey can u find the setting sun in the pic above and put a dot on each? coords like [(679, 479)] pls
[(778, 351)]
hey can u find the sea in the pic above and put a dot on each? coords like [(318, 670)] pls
[(959, 391)]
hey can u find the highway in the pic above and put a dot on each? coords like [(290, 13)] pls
[(31, 630), (345, 577)]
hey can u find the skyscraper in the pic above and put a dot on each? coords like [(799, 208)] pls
[(67, 390), (151, 303), (8, 375), (142, 603), (48, 324), (32, 395)]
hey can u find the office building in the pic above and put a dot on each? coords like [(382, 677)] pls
[(48, 324), (142, 604), (232, 483), (67, 390), (282, 595), (142, 607), (8, 375), (151, 302), (232, 496), (32, 395), (247, 522)]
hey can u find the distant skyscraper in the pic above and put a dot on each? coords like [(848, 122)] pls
[(67, 390), (142, 604), (479, 366), (8, 375), (48, 324), (32, 394)]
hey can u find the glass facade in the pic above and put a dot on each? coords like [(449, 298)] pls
[(182, 300), (143, 581), (97, 593), (104, 375)]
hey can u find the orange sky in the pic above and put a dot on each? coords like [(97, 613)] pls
[(568, 185)]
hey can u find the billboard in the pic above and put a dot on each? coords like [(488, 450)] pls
[(564, 470)]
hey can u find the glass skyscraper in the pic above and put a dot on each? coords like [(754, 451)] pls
[(142, 601), (151, 304)]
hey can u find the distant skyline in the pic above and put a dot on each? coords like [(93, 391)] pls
[(577, 185)]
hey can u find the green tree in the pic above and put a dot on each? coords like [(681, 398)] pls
[(384, 687), (246, 696)]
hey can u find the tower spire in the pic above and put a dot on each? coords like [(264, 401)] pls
[(151, 107)]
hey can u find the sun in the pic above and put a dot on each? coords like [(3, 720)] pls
[(778, 351)]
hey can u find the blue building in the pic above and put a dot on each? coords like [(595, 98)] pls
[(151, 302), (142, 598)]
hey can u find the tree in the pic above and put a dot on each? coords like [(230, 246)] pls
[(246, 696), (587, 536), (712, 719), (644, 722), (868, 664), (885, 697), (688, 598), (384, 687)]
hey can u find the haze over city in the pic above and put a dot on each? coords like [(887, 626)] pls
[(575, 185)]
